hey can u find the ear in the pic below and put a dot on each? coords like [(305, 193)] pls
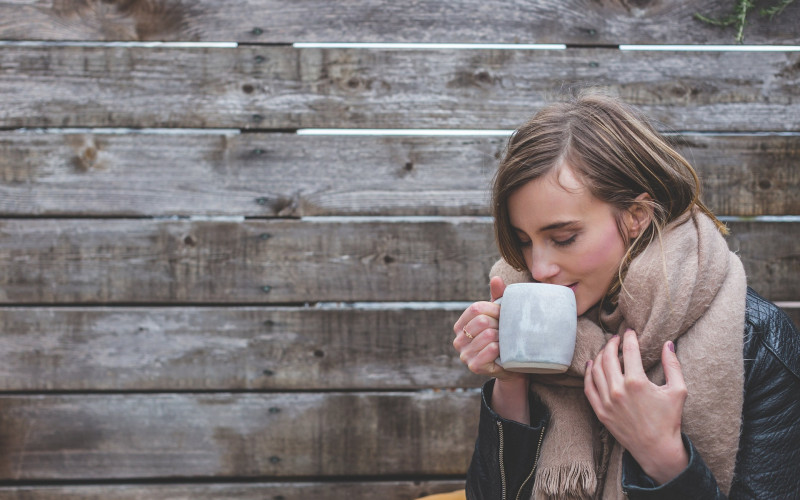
[(638, 216)]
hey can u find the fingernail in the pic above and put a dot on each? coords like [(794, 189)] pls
[(614, 337), (671, 346)]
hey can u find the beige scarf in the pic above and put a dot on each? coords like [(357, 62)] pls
[(690, 289)]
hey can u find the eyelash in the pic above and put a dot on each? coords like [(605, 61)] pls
[(562, 243), (567, 242)]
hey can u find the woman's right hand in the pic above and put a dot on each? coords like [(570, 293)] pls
[(477, 336)]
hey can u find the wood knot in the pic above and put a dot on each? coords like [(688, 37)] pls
[(88, 154), (483, 77)]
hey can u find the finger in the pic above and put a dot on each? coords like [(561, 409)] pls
[(631, 355), (590, 390), (484, 359), (475, 309), (599, 377), (469, 348), (478, 325), (611, 366), (496, 287), (462, 340), (672, 367), (480, 357)]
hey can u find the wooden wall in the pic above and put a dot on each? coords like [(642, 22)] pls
[(196, 302)]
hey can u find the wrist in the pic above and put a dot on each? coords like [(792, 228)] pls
[(512, 380), (667, 461), (510, 398)]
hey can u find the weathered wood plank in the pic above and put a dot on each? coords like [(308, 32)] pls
[(770, 272), (338, 490), (746, 175), (274, 21), (237, 435), (275, 87), (794, 315), (147, 261), (247, 174), (94, 174), (350, 259), (230, 348)]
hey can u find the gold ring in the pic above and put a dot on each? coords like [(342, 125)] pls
[(469, 336)]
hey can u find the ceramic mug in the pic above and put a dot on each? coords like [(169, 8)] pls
[(538, 325)]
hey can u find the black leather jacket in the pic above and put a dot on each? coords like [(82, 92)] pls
[(768, 460)]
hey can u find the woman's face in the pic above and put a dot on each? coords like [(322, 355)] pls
[(568, 236)]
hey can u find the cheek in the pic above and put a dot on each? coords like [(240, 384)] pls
[(607, 252)]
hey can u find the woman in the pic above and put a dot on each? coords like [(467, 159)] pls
[(589, 196)]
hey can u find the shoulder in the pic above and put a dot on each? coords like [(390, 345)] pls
[(770, 434), (768, 328)]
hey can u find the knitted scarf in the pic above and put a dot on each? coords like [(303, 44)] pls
[(686, 287)]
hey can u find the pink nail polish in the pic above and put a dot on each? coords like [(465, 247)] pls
[(671, 346)]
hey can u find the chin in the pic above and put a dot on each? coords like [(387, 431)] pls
[(582, 307)]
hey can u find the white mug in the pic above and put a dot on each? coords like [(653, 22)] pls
[(538, 325)]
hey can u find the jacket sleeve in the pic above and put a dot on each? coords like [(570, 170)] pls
[(505, 452), (768, 460), (696, 481)]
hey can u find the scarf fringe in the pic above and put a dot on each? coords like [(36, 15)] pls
[(570, 482)]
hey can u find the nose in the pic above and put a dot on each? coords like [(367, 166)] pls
[(543, 267)]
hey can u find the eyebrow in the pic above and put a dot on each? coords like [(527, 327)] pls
[(550, 227)]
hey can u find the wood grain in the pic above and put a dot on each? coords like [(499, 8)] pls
[(294, 435), (580, 22), (373, 347), (277, 175), (769, 272), (67, 261), (231, 348), (274, 87), (794, 315), (151, 262), (333, 490)]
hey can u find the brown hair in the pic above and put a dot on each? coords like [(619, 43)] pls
[(618, 155)]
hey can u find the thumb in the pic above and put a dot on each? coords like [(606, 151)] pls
[(672, 367), (496, 287)]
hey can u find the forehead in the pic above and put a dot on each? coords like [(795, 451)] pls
[(556, 197)]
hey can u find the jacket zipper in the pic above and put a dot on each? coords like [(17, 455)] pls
[(535, 461), (503, 466), (500, 456)]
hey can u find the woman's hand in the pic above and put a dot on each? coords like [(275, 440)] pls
[(643, 417), (478, 345), (477, 335)]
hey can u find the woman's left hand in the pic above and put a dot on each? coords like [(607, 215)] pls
[(643, 417)]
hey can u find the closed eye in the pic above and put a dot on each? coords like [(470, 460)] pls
[(567, 242)]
